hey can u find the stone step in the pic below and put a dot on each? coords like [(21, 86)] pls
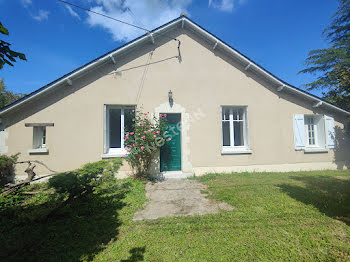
[(172, 175)]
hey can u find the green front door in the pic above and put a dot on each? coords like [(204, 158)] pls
[(170, 153)]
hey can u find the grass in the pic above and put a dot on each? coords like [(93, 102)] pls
[(277, 216)]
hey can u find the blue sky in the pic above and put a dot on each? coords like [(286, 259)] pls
[(57, 39)]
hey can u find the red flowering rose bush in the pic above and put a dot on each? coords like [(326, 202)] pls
[(144, 142)]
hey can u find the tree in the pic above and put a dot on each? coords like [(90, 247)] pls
[(333, 63), (7, 56), (7, 97)]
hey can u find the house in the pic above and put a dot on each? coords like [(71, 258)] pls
[(228, 113)]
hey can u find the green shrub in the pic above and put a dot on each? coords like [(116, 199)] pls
[(86, 178), (7, 168)]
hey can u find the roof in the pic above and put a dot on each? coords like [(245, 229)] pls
[(183, 22)]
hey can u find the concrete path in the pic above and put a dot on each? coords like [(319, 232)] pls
[(178, 197)]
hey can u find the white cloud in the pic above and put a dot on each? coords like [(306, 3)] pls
[(222, 5), (25, 3), (226, 5), (42, 15), (72, 12), (148, 14)]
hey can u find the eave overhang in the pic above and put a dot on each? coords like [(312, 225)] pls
[(180, 22)]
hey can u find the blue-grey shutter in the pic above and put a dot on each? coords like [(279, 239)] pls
[(299, 132), (330, 131)]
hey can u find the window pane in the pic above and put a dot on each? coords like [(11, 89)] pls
[(129, 120), (240, 114), (226, 133), (310, 130), (235, 114), (114, 128), (238, 133), (225, 114), (39, 136), (44, 136)]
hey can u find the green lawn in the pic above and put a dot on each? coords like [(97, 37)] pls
[(277, 216)]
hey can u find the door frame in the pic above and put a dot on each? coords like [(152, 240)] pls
[(165, 108)]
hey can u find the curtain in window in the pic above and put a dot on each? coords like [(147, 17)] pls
[(114, 128)]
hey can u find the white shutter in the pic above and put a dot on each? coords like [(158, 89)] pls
[(330, 131), (321, 138), (105, 129), (299, 132)]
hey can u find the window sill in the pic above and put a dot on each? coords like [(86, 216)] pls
[(118, 153), (235, 151), (316, 150), (38, 151)]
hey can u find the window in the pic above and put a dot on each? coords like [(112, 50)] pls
[(118, 121), (311, 131), (39, 137), (235, 130), (314, 133), (39, 140)]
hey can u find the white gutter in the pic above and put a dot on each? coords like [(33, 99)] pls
[(69, 79), (250, 63)]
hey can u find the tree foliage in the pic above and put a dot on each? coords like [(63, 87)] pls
[(8, 56), (7, 168), (333, 63), (7, 97)]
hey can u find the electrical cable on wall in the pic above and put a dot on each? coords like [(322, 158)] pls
[(143, 78)]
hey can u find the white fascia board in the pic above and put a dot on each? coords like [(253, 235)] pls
[(94, 64), (259, 69)]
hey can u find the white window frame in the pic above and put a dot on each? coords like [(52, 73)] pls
[(41, 148), (115, 152), (43, 138), (315, 131), (317, 147), (232, 149)]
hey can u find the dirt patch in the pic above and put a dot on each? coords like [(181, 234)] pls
[(178, 197)]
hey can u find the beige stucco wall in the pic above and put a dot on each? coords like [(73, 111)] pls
[(202, 82)]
